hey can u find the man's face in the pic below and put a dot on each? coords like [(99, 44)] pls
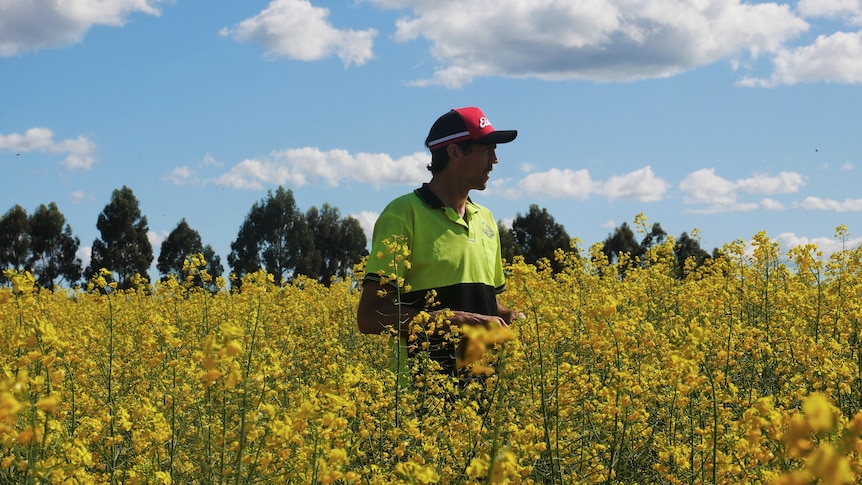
[(476, 164)]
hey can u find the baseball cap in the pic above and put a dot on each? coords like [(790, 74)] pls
[(462, 124)]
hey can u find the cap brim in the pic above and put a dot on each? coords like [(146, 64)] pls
[(499, 136)]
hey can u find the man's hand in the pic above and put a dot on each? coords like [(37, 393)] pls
[(508, 315)]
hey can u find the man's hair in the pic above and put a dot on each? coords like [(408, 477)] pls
[(440, 156)]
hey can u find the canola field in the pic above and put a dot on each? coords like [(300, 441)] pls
[(746, 371)]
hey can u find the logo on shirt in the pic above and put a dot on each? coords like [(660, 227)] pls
[(487, 230)]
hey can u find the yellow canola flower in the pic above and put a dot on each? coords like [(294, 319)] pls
[(209, 363), (22, 283), (688, 362), (49, 403), (211, 376), (233, 348), (829, 466), (234, 378), (9, 407), (818, 412), (478, 467), (26, 435), (504, 467), (476, 339), (163, 478), (338, 456), (416, 473), (231, 330)]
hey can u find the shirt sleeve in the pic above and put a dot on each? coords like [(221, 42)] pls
[(393, 233), (499, 275)]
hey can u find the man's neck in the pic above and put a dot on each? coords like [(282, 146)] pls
[(449, 194)]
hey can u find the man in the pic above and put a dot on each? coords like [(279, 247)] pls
[(454, 245)]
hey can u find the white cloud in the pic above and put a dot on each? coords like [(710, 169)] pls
[(832, 58), (298, 30), (722, 208), (183, 175), (85, 254), (32, 25), (556, 183), (156, 239), (851, 10), (209, 161), (188, 175), (502, 187), (717, 194), (705, 187), (79, 196), (80, 152), (601, 40), (300, 166), (826, 245), (847, 166), (784, 183), (816, 203), (771, 204), (641, 185), (366, 219)]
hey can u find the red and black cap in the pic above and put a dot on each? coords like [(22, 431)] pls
[(463, 124)]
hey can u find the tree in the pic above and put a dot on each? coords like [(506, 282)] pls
[(688, 247), (181, 243), (123, 248), (274, 237), (539, 236), (622, 241), (214, 267), (53, 249), (14, 241), (339, 243), (656, 235), (509, 248)]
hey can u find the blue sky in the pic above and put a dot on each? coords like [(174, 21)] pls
[(724, 116)]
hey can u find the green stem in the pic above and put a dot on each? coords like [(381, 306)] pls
[(542, 398), (244, 401)]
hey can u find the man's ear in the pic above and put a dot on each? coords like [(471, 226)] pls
[(454, 151)]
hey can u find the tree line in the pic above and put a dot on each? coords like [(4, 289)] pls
[(275, 236), (536, 236)]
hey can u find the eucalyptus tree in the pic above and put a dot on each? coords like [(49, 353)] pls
[(53, 248), (123, 248), (181, 243), (339, 242), (538, 236), (275, 237), (14, 241)]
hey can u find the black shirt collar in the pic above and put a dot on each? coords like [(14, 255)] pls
[(429, 198)]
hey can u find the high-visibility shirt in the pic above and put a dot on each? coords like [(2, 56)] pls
[(458, 257)]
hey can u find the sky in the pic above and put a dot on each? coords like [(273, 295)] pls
[(721, 118)]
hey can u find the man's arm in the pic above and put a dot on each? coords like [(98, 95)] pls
[(377, 310), (376, 313)]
